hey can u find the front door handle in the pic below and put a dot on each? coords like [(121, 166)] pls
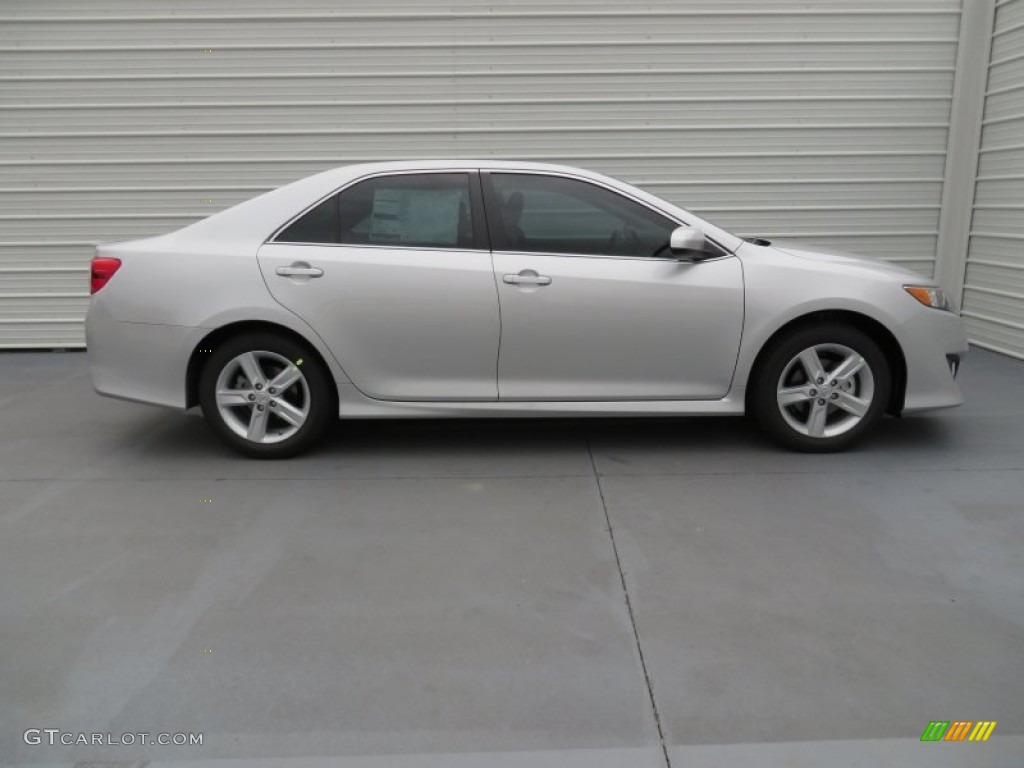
[(527, 277), (299, 270)]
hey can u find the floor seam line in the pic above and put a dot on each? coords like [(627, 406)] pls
[(629, 610), (612, 475)]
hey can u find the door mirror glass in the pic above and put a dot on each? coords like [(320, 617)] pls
[(688, 244)]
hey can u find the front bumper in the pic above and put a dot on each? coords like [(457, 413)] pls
[(932, 341), (142, 362)]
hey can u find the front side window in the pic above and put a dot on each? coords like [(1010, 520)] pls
[(553, 214), (426, 210)]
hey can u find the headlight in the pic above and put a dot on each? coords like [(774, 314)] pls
[(928, 295)]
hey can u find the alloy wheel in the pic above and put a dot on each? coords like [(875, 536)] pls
[(825, 391), (262, 396)]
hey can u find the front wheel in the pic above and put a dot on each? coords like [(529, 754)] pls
[(266, 395), (821, 389)]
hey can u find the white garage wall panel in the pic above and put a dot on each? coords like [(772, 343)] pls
[(993, 298), (823, 122)]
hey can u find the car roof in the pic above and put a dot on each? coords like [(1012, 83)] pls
[(365, 169)]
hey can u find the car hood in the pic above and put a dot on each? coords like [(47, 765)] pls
[(840, 257)]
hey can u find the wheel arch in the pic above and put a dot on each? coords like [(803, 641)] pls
[(877, 331), (217, 336)]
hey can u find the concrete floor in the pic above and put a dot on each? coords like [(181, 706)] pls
[(449, 594)]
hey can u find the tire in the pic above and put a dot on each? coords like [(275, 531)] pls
[(248, 415), (811, 414)]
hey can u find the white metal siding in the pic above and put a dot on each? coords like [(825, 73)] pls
[(823, 121), (993, 298)]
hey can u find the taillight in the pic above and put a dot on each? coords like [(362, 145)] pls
[(102, 270)]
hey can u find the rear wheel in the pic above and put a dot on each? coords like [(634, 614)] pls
[(266, 395), (821, 388)]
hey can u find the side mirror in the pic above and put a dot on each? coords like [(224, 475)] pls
[(687, 244)]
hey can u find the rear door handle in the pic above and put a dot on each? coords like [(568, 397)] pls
[(527, 279), (299, 270)]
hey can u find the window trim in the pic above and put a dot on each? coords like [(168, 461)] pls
[(493, 214), (481, 238)]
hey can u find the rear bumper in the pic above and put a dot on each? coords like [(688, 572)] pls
[(930, 341), (142, 362)]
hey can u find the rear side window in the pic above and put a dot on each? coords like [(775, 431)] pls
[(416, 210), (319, 225), (428, 209)]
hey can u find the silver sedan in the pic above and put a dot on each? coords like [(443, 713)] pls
[(484, 288)]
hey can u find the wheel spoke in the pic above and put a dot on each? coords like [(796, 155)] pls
[(825, 391), (285, 378), (290, 413), (852, 404), (257, 425), (816, 420), (812, 364), (245, 404), (794, 395), (847, 369), (228, 398), (251, 368)]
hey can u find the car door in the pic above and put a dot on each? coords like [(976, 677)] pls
[(394, 273), (594, 307)]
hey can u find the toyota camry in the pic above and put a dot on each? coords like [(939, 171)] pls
[(499, 289)]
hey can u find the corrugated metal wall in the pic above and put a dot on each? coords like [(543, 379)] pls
[(993, 300), (822, 121)]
